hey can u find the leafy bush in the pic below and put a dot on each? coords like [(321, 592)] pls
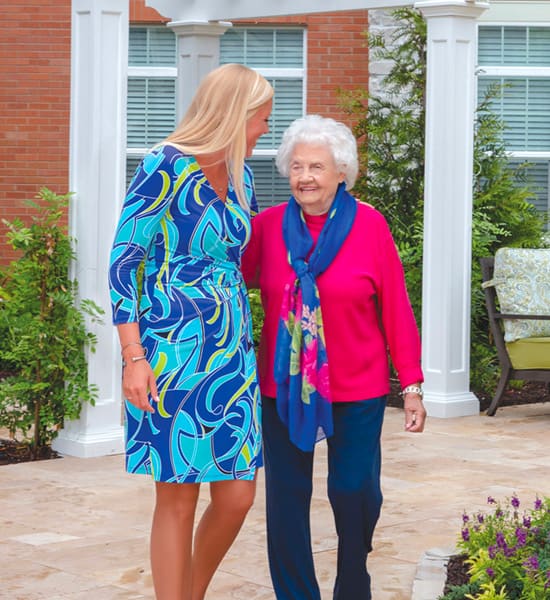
[(390, 131), (257, 314), (507, 551), (44, 334)]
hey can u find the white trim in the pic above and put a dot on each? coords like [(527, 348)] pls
[(281, 72), (152, 71), (514, 23), (133, 152), (539, 155), (269, 152), (523, 11), (214, 10), (489, 71)]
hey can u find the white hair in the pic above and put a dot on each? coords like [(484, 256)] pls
[(321, 131)]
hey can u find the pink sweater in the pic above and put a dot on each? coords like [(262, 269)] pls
[(365, 306)]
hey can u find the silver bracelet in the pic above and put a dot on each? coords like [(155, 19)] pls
[(413, 389), (130, 344), (134, 359)]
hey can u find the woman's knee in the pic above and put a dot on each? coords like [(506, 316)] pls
[(177, 500), (235, 497)]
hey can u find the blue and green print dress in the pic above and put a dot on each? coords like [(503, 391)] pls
[(194, 321)]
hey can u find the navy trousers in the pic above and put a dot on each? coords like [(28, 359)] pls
[(354, 460)]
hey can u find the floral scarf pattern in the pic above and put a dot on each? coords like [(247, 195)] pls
[(301, 364)]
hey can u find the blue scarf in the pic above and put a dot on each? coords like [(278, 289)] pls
[(301, 367)]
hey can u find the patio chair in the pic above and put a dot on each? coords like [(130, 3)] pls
[(526, 357)]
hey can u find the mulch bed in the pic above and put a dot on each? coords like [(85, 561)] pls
[(12, 452), (530, 392), (457, 572)]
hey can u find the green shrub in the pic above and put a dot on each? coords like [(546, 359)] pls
[(390, 132), (507, 551), (44, 334)]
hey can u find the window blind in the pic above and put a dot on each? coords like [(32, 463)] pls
[(151, 46), (151, 110), (537, 173), (524, 106), (271, 188), (514, 46), (263, 48)]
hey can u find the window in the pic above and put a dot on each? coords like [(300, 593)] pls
[(518, 59), (151, 108), (278, 54)]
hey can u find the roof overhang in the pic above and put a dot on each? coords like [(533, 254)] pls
[(222, 10)]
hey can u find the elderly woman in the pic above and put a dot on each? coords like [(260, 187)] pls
[(335, 301)]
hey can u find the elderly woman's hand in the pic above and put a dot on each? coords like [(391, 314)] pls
[(415, 413)]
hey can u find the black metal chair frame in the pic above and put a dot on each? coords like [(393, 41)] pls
[(495, 322)]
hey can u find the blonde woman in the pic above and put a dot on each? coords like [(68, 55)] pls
[(189, 371)]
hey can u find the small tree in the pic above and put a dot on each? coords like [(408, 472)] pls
[(44, 335), (390, 130)]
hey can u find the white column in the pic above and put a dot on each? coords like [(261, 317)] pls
[(450, 106), (99, 56), (198, 54)]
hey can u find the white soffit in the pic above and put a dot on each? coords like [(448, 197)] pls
[(518, 11), (219, 10)]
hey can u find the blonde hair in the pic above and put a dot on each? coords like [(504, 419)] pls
[(216, 119)]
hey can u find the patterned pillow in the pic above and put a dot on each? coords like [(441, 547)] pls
[(522, 282)]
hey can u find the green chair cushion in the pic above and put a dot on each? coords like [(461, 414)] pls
[(530, 353)]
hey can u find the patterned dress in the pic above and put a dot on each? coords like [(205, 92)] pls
[(194, 320)]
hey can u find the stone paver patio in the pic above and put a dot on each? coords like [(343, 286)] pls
[(78, 528)]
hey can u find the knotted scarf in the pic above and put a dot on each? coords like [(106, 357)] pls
[(301, 367)]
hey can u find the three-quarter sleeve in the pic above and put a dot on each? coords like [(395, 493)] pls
[(145, 205)]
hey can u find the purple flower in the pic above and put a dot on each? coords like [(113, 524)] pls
[(466, 534), (538, 503), (491, 500), (509, 551), (465, 518), (532, 563), (501, 540), (490, 572), (515, 501), (527, 522), (492, 551), (521, 536), (480, 518)]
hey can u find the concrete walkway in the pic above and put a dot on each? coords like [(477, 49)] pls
[(78, 528)]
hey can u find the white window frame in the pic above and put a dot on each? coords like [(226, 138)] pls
[(519, 71)]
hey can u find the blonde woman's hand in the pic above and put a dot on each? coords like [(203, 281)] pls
[(138, 381)]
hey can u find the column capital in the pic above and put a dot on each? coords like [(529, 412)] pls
[(452, 8), (197, 28)]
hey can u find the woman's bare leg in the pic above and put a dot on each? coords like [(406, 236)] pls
[(171, 539), (230, 502)]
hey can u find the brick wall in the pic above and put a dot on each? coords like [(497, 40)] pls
[(35, 42), (337, 56)]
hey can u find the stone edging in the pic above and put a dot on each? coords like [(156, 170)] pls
[(431, 574)]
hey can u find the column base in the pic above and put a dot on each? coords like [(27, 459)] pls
[(451, 405), (83, 444)]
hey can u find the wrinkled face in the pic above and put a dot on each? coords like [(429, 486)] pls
[(313, 177), (257, 125)]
